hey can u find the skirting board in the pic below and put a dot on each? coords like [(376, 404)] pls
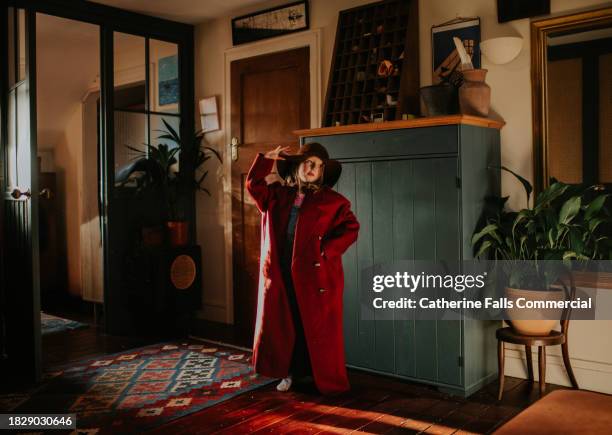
[(214, 313), (591, 375)]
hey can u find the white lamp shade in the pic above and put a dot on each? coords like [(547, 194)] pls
[(501, 50)]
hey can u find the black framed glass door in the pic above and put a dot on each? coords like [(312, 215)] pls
[(170, 98)]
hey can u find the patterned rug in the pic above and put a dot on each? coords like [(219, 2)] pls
[(50, 324), (140, 389)]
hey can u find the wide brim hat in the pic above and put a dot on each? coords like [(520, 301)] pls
[(331, 171)]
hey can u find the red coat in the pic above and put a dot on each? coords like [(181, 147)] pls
[(326, 227)]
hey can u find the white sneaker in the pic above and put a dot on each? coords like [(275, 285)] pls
[(285, 384)]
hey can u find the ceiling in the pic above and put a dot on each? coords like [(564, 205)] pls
[(185, 11)]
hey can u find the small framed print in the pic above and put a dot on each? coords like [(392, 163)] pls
[(209, 114), (444, 53)]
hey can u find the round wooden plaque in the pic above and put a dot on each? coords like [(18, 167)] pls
[(183, 272)]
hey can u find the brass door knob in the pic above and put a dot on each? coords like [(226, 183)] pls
[(16, 193)]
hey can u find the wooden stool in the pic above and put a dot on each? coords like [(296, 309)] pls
[(509, 335)]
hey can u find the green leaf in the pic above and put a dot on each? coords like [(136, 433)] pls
[(526, 184), (484, 247), (491, 228), (569, 210), (548, 195), (595, 206), (173, 132)]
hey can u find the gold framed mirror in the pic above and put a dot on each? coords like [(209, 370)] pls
[(571, 76)]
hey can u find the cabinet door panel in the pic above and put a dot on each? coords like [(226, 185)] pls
[(408, 209)]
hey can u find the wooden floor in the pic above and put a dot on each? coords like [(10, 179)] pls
[(375, 404)]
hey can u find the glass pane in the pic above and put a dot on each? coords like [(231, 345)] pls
[(130, 132), (22, 43), (24, 164), (130, 101), (164, 89), (12, 141), (11, 47), (129, 70), (605, 114), (564, 127)]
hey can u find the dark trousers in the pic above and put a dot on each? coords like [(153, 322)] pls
[(300, 360)]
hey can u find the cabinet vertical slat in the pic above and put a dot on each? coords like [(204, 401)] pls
[(425, 249), (382, 243), (363, 209), (346, 186), (447, 249), (403, 249)]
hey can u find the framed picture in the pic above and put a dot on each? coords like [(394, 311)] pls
[(268, 23), (445, 58), (167, 81), (209, 115), (508, 10)]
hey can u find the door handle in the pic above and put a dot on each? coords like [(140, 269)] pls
[(16, 193), (45, 193), (234, 148)]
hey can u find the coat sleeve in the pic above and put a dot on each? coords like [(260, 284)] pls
[(343, 233), (256, 184)]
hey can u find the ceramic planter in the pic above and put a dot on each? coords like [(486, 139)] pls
[(474, 93), (534, 321), (178, 232), (440, 99)]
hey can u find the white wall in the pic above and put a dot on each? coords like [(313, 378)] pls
[(511, 100), (68, 157)]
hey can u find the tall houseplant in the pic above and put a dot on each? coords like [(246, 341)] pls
[(177, 186), (566, 222)]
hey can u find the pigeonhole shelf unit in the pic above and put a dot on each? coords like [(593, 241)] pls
[(417, 188)]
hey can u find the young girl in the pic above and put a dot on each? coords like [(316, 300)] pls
[(305, 228)]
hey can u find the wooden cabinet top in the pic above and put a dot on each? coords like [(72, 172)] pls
[(428, 121)]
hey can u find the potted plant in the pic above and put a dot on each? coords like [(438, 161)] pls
[(181, 173), (566, 222)]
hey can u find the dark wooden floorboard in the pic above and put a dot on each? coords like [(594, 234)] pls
[(375, 404)]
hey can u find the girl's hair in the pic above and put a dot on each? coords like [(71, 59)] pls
[(293, 179)]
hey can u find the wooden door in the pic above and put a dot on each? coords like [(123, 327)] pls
[(270, 98), (20, 306)]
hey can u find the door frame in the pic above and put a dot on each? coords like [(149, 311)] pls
[(109, 20), (224, 311)]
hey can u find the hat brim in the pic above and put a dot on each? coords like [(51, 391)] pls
[(331, 174)]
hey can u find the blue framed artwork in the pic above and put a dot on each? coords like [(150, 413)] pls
[(445, 58), (168, 80)]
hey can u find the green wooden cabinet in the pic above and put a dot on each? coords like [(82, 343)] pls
[(417, 193)]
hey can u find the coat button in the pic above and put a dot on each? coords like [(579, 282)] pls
[(321, 290), (317, 264)]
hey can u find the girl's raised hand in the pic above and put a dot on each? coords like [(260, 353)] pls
[(275, 153)]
